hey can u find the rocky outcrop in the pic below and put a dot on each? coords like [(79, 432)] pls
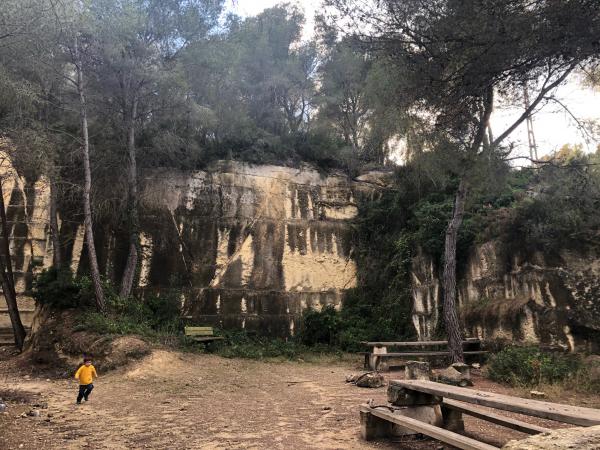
[(581, 438), (253, 245), (241, 246), (519, 297)]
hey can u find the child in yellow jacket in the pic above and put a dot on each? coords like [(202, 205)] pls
[(85, 374)]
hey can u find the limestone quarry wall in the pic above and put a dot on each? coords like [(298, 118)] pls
[(26, 205), (241, 246), (518, 297), (253, 246)]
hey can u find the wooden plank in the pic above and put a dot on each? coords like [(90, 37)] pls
[(198, 331), (458, 440), (207, 338), (432, 353), (489, 416), (417, 343), (575, 415)]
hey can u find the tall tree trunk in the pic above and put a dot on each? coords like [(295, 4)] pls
[(8, 281), (453, 328), (54, 232), (87, 208), (132, 258)]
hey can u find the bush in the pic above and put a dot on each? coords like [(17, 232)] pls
[(148, 317), (60, 290), (529, 366), (239, 344), (320, 327), (113, 324)]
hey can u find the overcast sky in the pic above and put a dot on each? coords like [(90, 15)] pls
[(552, 126)]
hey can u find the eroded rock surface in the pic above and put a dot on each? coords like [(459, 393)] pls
[(580, 438), (240, 246), (523, 297)]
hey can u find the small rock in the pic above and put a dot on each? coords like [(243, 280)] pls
[(34, 413), (452, 376), (48, 379), (370, 380), (537, 394), (351, 377), (27, 377), (476, 366), (326, 408), (3, 407)]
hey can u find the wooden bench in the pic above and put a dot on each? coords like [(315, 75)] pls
[(379, 351), (202, 334), (444, 406)]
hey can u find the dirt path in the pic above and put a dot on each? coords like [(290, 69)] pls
[(189, 401), (176, 400)]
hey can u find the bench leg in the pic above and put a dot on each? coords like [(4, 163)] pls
[(373, 362), (372, 427), (453, 420)]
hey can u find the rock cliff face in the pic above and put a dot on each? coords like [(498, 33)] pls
[(26, 212), (253, 246), (519, 297), (241, 246)]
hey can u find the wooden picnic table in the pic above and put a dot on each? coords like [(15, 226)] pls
[(379, 350), (575, 415), (416, 343), (409, 397)]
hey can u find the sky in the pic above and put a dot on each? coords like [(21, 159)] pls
[(553, 127)]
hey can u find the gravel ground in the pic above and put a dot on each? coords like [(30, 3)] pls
[(190, 401)]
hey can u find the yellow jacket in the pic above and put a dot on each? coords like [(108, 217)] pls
[(86, 374)]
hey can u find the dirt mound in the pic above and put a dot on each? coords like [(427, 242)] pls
[(158, 364), (580, 438), (57, 343)]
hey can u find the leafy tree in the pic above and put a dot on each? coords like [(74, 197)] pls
[(255, 85), (454, 57), (139, 42)]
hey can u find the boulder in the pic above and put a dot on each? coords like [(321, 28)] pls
[(452, 376), (367, 380), (580, 438)]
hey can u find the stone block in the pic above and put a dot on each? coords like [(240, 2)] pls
[(431, 414), (400, 396), (372, 427), (417, 370)]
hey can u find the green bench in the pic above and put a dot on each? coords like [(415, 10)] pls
[(201, 334)]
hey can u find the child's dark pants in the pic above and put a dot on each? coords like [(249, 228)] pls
[(84, 391)]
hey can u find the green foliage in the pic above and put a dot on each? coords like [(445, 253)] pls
[(379, 307), (561, 207), (114, 324), (60, 290), (529, 366), (239, 344), (320, 327), (148, 316)]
